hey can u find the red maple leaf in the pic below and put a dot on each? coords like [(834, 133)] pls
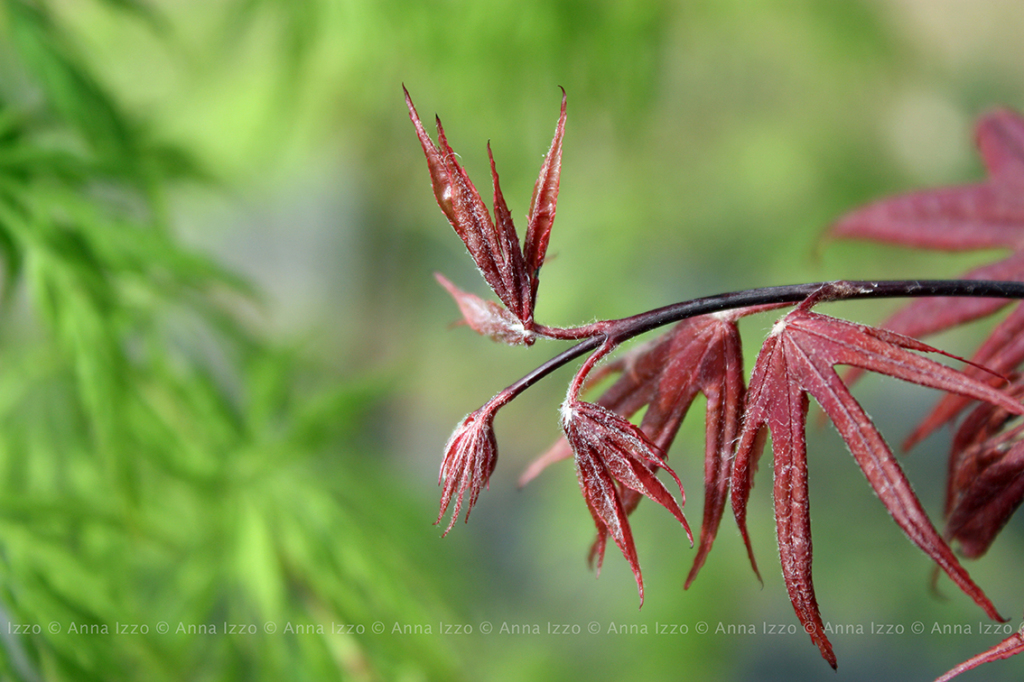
[(702, 354), (797, 359), (983, 215)]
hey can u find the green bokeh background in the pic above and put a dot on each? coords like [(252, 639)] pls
[(227, 375)]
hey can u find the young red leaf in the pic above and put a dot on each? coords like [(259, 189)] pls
[(488, 318), (780, 402), (704, 355), (634, 388), (513, 267), (542, 206), (798, 359), (1011, 646), (495, 250), (609, 450)]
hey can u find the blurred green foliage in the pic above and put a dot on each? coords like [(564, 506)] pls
[(164, 464), (226, 377)]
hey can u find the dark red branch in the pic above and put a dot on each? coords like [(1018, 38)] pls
[(616, 332)]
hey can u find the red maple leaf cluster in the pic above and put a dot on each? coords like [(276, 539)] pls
[(512, 272), (985, 483), (617, 461)]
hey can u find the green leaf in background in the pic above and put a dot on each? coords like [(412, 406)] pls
[(180, 497)]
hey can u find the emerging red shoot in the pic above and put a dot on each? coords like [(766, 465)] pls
[(511, 271)]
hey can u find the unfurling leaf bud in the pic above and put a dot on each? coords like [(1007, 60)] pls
[(469, 459)]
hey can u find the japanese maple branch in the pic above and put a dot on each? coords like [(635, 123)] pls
[(611, 333)]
